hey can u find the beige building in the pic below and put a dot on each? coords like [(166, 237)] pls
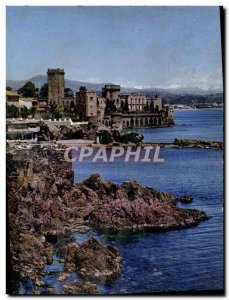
[(101, 104), (12, 98), (84, 104), (91, 104), (135, 102), (157, 101), (111, 91), (55, 86)]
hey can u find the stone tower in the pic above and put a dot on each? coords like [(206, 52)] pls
[(56, 86), (111, 91)]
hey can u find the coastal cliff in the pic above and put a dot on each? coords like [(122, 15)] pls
[(45, 203)]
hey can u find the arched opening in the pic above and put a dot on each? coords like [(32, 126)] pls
[(132, 122)]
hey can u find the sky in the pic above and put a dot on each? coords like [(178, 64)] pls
[(166, 47)]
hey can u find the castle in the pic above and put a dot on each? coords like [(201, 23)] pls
[(125, 110)]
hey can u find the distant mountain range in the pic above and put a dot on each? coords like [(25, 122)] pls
[(39, 80)]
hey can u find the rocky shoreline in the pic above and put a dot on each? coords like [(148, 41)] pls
[(189, 143), (177, 144), (115, 136), (45, 203)]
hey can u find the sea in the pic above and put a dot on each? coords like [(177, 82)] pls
[(199, 124), (182, 260), (187, 260)]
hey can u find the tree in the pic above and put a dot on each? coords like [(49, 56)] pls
[(24, 112), (122, 106), (33, 110), (82, 89), (66, 112), (146, 107), (126, 106), (46, 115), (68, 93), (52, 110), (28, 90), (43, 94), (55, 111), (37, 92), (113, 106), (8, 88), (59, 113), (71, 111), (107, 107), (151, 106), (12, 111)]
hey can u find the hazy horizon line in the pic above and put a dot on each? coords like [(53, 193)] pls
[(135, 86)]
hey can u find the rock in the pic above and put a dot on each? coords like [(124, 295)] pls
[(119, 136), (63, 276), (68, 253), (68, 132), (105, 136), (80, 288), (188, 143), (69, 266), (130, 137), (92, 260), (36, 290), (30, 255), (39, 282), (97, 262), (136, 208), (49, 291), (184, 199), (93, 182), (80, 228), (44, 202)]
